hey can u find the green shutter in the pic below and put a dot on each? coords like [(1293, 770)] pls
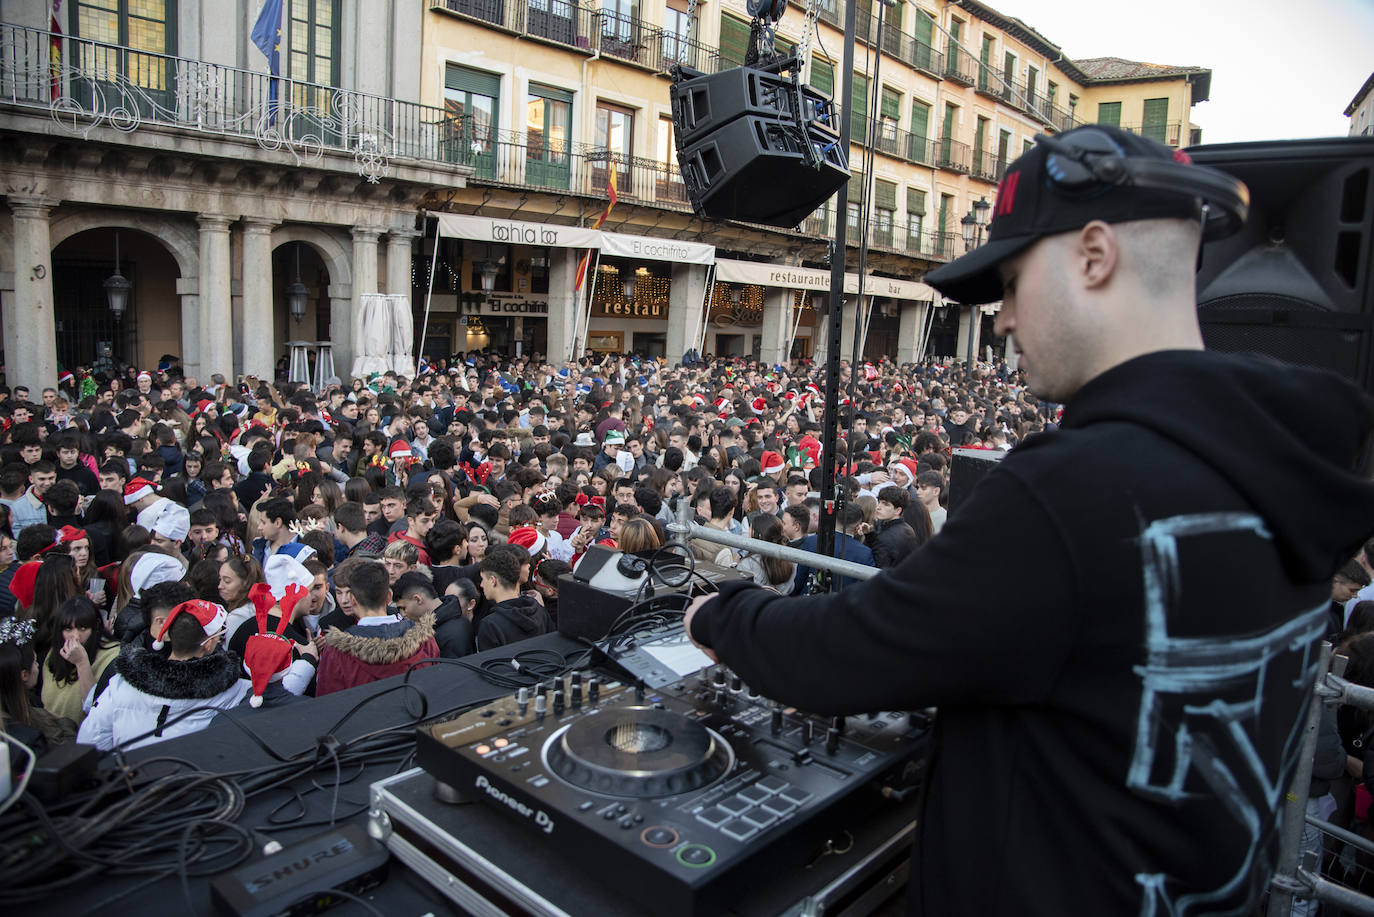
[(915, 201), (549, 92), (734, 40), (858, 109), (920, 120), (478, 82), (891, 105), (1109, 113), (885, 195), (856, 186), (944, 213), (924, 28), (823, 76), (1156, 121)]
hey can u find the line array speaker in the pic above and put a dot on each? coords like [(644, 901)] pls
[(755, 146)]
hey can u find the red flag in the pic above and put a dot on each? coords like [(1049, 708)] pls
[(55, 48), (612, 198)]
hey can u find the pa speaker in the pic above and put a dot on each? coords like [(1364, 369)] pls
[(758, 170), (1295, 282), (703, 104)]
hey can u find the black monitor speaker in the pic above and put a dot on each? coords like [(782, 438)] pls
[(756, 146), (1295, 282)]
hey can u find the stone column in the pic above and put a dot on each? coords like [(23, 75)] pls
[(778, 316), (188, 291), (909, 327), (259, 341), (364, 281), (30, 331), (216, 317), (969, 319), (562, 304), (341, 305), (684, 310), (399, 243)]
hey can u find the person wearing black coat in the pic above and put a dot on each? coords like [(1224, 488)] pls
[(415, 596), (512, 616), (891, 539)]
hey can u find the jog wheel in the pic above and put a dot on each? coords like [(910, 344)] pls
[(638, 751)]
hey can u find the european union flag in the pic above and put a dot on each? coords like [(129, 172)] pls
[(267, 37)]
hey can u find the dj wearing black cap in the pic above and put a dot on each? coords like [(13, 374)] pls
[(1118, 625)]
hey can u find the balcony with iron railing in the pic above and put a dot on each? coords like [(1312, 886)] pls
[(105, 85), (960, 66), (953, 155), (1166, 133), (559, 21), (985, 164), (938, 246)]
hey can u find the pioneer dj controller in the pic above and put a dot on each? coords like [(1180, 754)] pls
[(671, 793)]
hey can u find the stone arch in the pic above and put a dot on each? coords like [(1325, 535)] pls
[(182, 241), (337, 254)]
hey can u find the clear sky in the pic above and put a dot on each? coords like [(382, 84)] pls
[(1279, 70)]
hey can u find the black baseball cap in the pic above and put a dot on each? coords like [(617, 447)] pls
[(1032, 202)]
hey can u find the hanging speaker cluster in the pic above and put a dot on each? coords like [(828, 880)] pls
[(756, 146)]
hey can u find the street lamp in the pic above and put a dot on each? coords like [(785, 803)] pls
[(296, 292), (117, 287), (489, 271), (972, 225)]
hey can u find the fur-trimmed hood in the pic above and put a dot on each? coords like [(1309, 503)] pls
[(153, 673), (382, 644)]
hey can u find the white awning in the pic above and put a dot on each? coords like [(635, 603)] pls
[(656, 249), (810, 278), (516, 232)]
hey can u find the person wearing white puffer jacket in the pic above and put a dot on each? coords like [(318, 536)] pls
[(154, 697)]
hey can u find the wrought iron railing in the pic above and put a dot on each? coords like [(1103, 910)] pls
[(560, 21), (952, 155), (1164, 133), (85, 84), (960, 66), (938, 246), (984, 164)]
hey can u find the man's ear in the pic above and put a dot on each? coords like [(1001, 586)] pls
[(1095, 253)]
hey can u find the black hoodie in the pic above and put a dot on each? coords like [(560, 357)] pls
[(452, 629), (514, 619), (1121, 707)]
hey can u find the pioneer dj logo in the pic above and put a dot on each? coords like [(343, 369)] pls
[(541, 818)]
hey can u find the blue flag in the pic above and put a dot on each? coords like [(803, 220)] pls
[(267, 37)]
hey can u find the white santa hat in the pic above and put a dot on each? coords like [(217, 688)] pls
[(174, 522)]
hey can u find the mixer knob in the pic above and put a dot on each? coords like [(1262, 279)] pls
[(522, 700)]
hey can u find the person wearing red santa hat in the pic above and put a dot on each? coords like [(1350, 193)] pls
[(153, 697)]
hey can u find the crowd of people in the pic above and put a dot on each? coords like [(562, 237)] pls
[(171, 548)]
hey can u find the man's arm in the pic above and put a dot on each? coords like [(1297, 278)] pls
[(929, 630)]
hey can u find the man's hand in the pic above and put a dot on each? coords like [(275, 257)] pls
[(687, 624)]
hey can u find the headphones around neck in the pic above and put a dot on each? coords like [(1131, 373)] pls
[(1091, 161)]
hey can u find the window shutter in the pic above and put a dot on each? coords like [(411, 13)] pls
[(920, 119), (1155, 123), (924, 29), (885, 195), (549, 92), (858, 109), (891, 104), (1109, 113), (734, 40), (478, 82), (915, 201), (823, 76), (856, 186)]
